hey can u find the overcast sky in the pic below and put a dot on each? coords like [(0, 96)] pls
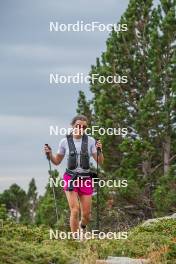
[(28, 53)]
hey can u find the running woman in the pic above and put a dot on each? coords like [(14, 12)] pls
[(78, 148)]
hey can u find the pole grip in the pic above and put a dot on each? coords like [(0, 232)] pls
[(98, 149), (47, 154)]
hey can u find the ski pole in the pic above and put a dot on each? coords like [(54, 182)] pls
[(50, 173), (98, 216)]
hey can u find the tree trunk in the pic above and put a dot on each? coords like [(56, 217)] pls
[(146, 164), (33, 213), (166, 150)]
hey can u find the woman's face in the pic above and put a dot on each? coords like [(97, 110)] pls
[(79, 127)]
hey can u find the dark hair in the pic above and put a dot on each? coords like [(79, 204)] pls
[(79, 117)]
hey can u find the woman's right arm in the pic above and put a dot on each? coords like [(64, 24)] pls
[(56, 159)]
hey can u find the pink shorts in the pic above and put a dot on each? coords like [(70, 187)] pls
[(83, 186)]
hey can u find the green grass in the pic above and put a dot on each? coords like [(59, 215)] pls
[(30, 244)]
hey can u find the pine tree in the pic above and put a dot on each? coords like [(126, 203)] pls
[(32, 198), (145, 104), (45, 213), (163, 77), (15, 199), (84, 107)]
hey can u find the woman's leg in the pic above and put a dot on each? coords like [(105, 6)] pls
[(85, 202), (73, 202)]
